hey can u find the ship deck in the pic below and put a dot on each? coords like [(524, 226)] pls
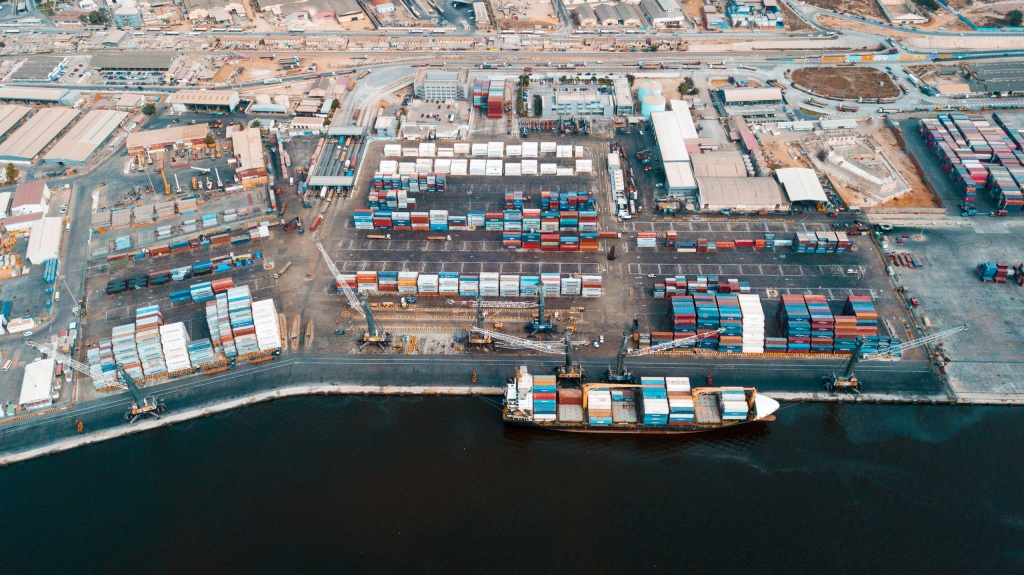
[(706, 408)]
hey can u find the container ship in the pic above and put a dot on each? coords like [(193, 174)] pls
[(661, 405)]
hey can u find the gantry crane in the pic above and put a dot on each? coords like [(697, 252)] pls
[(479, 338), (506, 341), (845, 380), (541, 323), (150, 406), (353, 301), (619, 373)]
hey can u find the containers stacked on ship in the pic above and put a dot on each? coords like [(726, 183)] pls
[(175, 342), (624, 406), (599, 407), (545, 398), (735, 406), (570, 405), (268, 332), (680, 401), (654, 401)]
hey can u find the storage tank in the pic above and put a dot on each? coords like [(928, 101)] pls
[(647, 86), (652, 103)]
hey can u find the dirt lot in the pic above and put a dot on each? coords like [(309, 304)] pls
[(867, 8), (793, 22), (522, 14), (919, 196), (838, 24), (846, 82)]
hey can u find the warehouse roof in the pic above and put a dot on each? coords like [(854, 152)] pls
[(205, 98), (164, 137), (679, 176), (32, 94), (742, 193), (248, 149), (137, 61), (11, 115), (39, 68), (801, 185), (44, 240), (727, 164), (684, 118), (35, 134), (36, 385), (743, 95), (88, 135), (670, 137), (28, 194)]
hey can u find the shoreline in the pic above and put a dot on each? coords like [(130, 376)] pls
[(347, 389)]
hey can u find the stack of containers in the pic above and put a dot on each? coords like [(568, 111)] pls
[(268, 332), (680, 400), (366, 281), (731, 320), (147, 339), (175, 341), (592, 286), (551, 284), (734, 404), (426, 284), (200, 352), (544, 398), (753, 323), (646, 239), (707, 320), (407, 282), (213, 323), (570, 405), (684, 316), (572, 286), (201, 292), (529, 286), (654, 401), (438, 220), (223, 325), (242, 326), (126, 354), (599, 407), (448, 283), (509, 286), (992, 272), (525, 390), (495, 99), (387, 282), (795, 321), (863, 309), (822, 323), (101, 358), (489, 284), (845, 336), (469, 286)]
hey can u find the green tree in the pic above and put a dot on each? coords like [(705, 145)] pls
[(46, 9), (11, 173), (630, 78), (255, 124), (149, 108), (1014, 18), (335, 104), (210, 140), (538, 105)]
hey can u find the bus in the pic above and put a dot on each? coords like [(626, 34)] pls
[(172, 33), (272, 81), (234, 29), (218, 29)]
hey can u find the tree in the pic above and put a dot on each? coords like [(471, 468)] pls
[(11, 173), (538, 105), (149, 108), (1014, 18), (630, 78), (95, 18), (255, 124), (210, 140), (335, 104)]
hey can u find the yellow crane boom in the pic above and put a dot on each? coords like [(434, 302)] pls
[(167, 187)]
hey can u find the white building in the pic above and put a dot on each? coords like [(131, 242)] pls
[(30, 198), (44, 240), (37, 384)]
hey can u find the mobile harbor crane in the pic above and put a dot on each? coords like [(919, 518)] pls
[(542, 323), (618, 372), (373, 333), (167, 187), (476, 337), (845, 380), (506, 341), (149, 406)]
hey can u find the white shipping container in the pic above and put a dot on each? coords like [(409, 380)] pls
[(530, 149), (392, 151), (494, 168), (479, 149), (427, 150), (443, 166), (460, 167), (514, 150), (548, 169), (548, 147), (477, 167), (495, 149), (584, 166), (461, 149), (563, 172), (529, 167), (410, 152), (424, 165), (513, 169)]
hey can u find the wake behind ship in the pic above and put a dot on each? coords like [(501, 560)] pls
[(654, 405)]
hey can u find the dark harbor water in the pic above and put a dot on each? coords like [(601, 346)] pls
[(437, 485)]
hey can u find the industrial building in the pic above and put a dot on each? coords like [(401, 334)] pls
[(624, 104), (724, 164), (267, 104), (1004, 78), (585, 16), (441, 84), (801, 185), (30, 198), (44, 240), (40, 96), (751, 96), (483, 19), (37, 384), (188, 136), (39, 69), (25, 144), (82, 141), (5, 203), (662, 13), (136, 62), (297, 11), (247, 146), (205, 100), (10, 116), (670, 133), (572, 100), (745, 194), (448, 121)]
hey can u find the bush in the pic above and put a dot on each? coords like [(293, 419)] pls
[(1014, 18)]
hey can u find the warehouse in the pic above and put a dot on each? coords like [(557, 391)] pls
[(248, 149), (188, 136), (623, 97), (726, 164), (37, 384), (684, 119), (39, 69), (295, 11), (30, 139), (679, 179), (675, 160), (801, 185), (751, 96), (44, 240), (40, 96), (745, 194), (10, 115), (30, 198), (5, 203), (205, 100), (135, 62), (441, 84), (82, 141), (1006, 78)]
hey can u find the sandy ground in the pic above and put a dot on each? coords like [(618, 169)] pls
[(867, 8), (670, 88), (838, 24), (793, 22), (522, 14), (919, 196), (846, 82), (692, 7)]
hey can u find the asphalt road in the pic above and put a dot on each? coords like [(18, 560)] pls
[(782, 374)]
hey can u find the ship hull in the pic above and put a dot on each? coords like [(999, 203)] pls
[(633, 429)]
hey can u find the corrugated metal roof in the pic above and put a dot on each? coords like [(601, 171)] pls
[(152, 139), (684, 118), (743, 95), (88, 135), (36, 385), (44, 240), (740, 193), (670, 137), (801, 184), (679, 176), (247, 146), (11, 115), (28, 194), (35, 134), (719, 164)]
